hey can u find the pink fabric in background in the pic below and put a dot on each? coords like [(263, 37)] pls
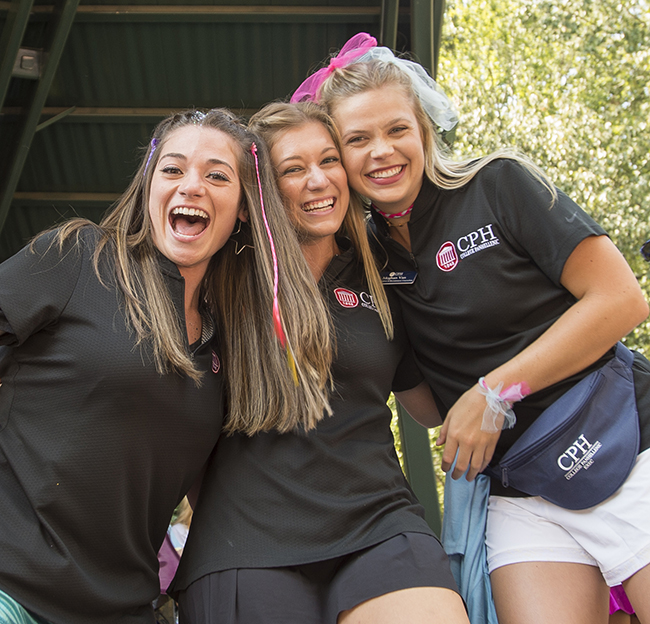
[(618, 600), (168, 559)]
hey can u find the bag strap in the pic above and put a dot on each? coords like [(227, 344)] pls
[(624, 354)]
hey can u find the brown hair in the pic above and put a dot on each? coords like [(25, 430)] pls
[(278, 117), (262, 391)]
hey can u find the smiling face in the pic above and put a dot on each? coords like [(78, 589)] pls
[(195, 196), (312, 180), (382, 146)]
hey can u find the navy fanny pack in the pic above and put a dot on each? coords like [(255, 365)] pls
[(580, 449)]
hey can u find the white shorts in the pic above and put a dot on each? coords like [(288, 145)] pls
[(614, 535)]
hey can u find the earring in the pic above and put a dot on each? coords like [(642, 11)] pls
[(239, 249)]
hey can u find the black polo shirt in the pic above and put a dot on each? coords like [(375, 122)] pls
[(96, 448), (489, 258), (280, 500)]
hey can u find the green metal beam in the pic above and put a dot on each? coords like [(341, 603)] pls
[(49, 199), (217, 13), (388, 23), (58, 31), (12, 36), (53, 120), (422, 32), (426, 32), (418, 466), (95, 115), (438, 14)]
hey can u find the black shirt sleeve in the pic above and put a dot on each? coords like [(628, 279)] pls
[(408, 374), (547, 232), (7, 336), (35, 286)]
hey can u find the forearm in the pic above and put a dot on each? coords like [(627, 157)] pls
[(604, 313), (609, 304), (420, 405)]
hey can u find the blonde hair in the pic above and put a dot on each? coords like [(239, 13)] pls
[(262, 391), (271, 122), (439, 167)]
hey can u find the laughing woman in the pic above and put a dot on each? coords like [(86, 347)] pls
[(322, 527), (112, 376)]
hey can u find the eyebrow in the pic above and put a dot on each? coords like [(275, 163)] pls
[(389, 123), (211, 161), (299, 157)]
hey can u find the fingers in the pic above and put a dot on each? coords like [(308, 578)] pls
[(442, 436), (464, 440), (448, 455), (477, 463), (471, 457)]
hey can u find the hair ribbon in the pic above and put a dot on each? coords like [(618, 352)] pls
[(363, 48), (154, 144), (355, 48), (277, 319)]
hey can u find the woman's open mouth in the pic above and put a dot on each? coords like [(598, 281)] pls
[(386, 173), (188, 222), (321, 204)]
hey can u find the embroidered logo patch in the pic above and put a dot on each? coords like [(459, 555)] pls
[(367, 301), (478, 240), (346, 297), (216, 363), (447, 258)]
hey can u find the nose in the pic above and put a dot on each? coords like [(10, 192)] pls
[(316, 178), (192, 184), (381, 148)]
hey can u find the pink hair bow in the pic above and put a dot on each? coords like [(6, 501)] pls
[(356, 47)]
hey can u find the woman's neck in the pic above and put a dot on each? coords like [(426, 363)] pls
[(193, 322), (400, 232), (319, 253)]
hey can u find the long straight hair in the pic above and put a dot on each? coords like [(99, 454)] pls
[(440, 168), (271, 122), (265, 390)]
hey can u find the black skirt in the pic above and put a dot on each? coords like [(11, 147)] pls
[(316, 593)]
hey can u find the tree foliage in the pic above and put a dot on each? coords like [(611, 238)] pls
[(568, 83)]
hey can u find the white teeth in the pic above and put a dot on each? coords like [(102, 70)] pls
[(190, 212), (317, 205), (387, 173)]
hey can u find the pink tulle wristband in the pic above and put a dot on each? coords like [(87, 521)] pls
[(498, 412)]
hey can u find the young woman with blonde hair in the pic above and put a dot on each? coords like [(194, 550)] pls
[(513, 286)]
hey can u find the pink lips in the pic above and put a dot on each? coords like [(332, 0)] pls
[(389, 180)]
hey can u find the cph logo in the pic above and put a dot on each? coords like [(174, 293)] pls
[(367, 301), (216, 364), (477, 241), (447, 258), (578, 456), (346, 298)]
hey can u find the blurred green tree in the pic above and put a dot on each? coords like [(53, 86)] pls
[(568, 83)]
